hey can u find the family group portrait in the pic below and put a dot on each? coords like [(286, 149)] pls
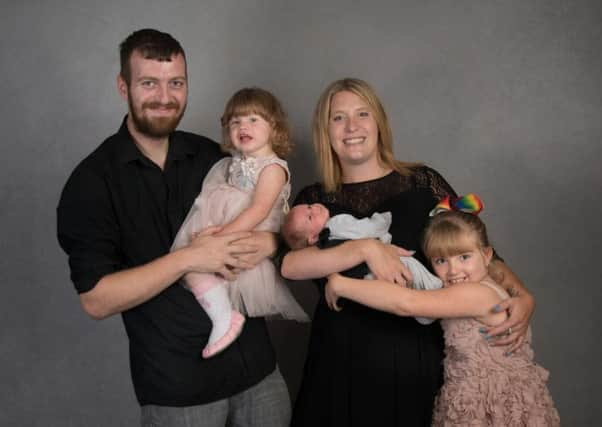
[(270, 214)]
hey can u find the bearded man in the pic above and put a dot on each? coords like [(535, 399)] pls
[(117, 217)]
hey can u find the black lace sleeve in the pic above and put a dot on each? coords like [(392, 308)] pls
[(441, 188), (430, 178)]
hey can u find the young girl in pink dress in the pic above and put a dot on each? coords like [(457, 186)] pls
[(483, 385), (248, 191)]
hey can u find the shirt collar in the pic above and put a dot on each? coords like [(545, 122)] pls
[(127, 150)]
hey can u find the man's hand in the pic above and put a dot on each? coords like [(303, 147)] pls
[(264, 244), (223, 255)]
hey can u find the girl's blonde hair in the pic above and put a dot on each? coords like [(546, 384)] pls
[(253, 100), (446, 234), (328, 163)]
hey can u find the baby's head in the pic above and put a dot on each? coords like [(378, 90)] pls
[(303, 224), (253, 100), (457, 246)]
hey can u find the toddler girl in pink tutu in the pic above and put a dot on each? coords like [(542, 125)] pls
[(248, 191)]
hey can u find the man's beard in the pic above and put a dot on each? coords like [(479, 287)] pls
[(158, 127)]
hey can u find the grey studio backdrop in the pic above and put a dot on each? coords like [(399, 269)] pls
[(504, 98)]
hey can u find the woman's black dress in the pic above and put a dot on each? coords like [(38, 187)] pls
[(365, 367)]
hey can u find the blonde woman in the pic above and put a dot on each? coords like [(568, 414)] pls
[(366, 367)]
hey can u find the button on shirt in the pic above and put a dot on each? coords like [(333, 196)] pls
[(119, 210)]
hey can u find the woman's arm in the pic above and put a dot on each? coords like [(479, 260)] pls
[(520, 308), (461, 300), (269, 185), (313, 263)]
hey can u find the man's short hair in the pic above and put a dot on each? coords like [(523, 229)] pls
[(151, 44)]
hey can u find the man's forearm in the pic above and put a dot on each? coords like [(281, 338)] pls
[(122, 290)]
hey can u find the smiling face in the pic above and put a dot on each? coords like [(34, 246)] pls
[(156, 94), (250, 135), (468, 264), (353, 131), (255, 123)]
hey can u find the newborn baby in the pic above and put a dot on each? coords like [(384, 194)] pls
[(307, 225)]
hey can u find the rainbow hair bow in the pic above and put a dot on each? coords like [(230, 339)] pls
[(469, 204)]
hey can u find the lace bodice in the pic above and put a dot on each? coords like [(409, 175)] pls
[(365, 197), (341, 369)]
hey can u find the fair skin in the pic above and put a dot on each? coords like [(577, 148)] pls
[(354, 138), (157, 96), (250, 135), (309, 220), (461, 296)]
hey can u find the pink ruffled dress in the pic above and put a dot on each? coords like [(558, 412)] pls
[(227, 190), (482, 387)]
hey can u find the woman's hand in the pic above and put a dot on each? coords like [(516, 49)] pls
[(513, 330), (520, 308), (331, 292), (383, 261)]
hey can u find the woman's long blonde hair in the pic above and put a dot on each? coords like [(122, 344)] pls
[(328, 163)]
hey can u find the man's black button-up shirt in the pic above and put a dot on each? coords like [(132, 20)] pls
[(119, 210)]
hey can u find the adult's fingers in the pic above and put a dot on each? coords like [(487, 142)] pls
[(516, 344), (504, 334), (514, 323), (239, 263), (232, 237), (403, 252), (227, 274), (407, 274), (332, 303), (207, 231), (398, 278), (508, 337)]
